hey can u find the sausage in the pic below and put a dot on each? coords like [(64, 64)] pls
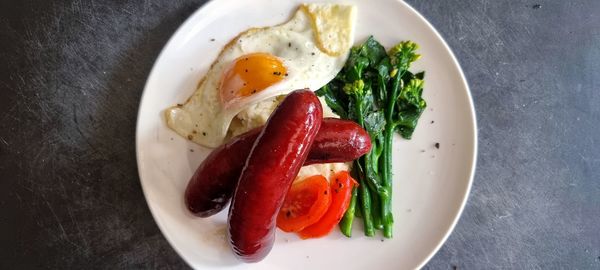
[(210, 188), (274, 161), (339, 141)]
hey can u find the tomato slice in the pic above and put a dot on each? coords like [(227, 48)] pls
[(341, 187), (306, 202)]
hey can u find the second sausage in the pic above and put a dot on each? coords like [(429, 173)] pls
[(273, 163)]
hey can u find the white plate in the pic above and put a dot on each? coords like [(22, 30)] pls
[(430, 188)]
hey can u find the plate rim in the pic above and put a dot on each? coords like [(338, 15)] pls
[(455, 62), (474, 133)]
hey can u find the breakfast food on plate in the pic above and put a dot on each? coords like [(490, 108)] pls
[(279, 161), (376, 89), (341, 195), (262, 63), (274, 161), (211, 187)]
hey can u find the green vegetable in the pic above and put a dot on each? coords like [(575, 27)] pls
[(346, 222), (376, 89)]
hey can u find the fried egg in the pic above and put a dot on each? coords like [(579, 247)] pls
[(262, 63)]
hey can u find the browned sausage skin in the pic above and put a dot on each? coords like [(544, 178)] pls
[(339, 141), (273, 163), (212, 185)]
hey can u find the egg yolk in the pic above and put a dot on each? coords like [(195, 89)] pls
[(250, 74)]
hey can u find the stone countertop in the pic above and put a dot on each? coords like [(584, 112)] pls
[(73, 71)]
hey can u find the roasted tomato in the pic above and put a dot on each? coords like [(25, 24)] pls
[(341, 192), (305, 203)]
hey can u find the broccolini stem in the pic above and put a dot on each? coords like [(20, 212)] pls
[(376, 210), (358, 212), (346, 223), (386, 202), (371, 173), (365, 199)]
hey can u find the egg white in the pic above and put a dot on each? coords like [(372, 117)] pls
[(311, 46)]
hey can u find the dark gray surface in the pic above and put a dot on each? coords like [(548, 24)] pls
[(72, 73)]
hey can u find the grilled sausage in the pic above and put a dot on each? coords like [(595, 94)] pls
[(211, 187), (273, 163)]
